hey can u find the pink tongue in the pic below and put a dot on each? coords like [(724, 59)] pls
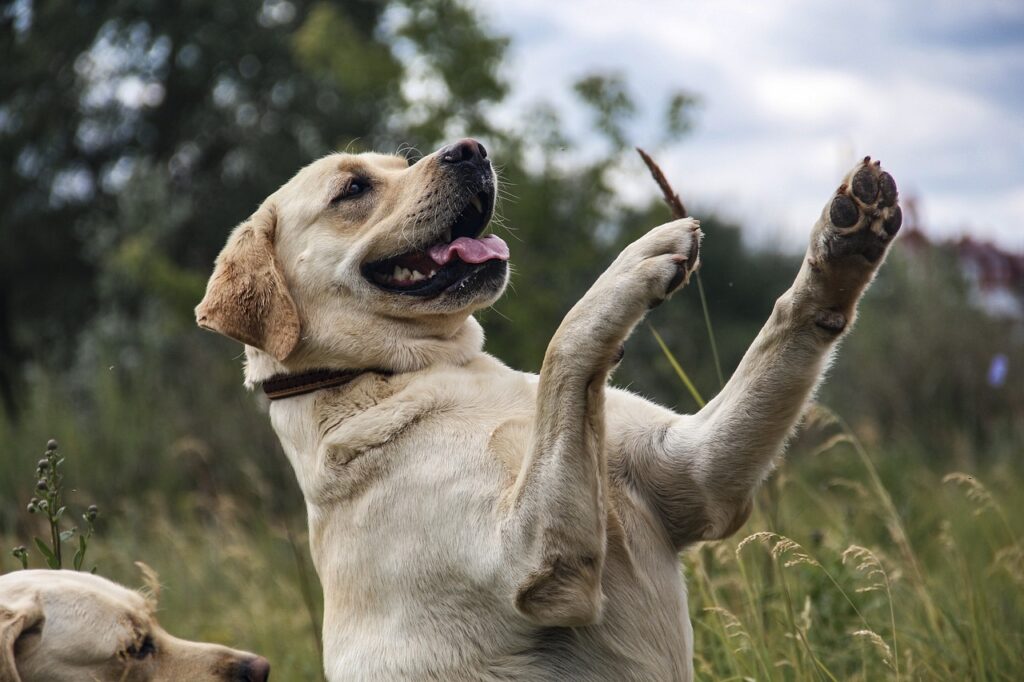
[(469, 250)]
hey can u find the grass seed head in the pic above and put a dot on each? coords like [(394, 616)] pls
[(878, 643)]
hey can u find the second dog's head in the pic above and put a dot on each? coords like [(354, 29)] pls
[(66, 626), (363, 261)]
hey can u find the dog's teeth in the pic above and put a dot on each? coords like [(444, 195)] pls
[(402, 275), (477, 204)]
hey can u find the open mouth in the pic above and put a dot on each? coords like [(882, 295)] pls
[(458, 255)]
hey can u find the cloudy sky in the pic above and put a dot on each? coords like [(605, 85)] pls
[(793, 91)]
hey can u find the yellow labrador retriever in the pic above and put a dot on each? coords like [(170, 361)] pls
[(66, 626), (472, 522)]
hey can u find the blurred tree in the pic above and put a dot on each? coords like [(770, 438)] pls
[(141, 131), (609, 99)]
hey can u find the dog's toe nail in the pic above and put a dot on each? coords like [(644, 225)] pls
[(843, 212), (677, 278), (691, 258)]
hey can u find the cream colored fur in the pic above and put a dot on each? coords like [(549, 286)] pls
[(66, 626), (472, 522)]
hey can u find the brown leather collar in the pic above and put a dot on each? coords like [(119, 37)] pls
[(290, 385)]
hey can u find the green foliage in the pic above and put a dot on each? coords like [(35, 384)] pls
[(161, 125), (158, 413), (852, 570), (679, 113), (50, 503), (456, 68), (609, 98), (330, 45)]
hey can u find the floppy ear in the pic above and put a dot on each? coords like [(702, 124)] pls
[(247, 298), (151, 587), (15, 619)]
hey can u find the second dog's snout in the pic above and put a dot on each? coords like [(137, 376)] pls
[(466, 150)]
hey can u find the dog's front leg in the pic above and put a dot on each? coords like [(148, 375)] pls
[(701, 471), (554, 532)]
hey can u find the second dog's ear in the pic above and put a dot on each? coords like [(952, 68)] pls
[(16, 619), (247, 298)]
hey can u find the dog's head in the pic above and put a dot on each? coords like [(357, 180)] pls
[(66, 626), (363, 261)]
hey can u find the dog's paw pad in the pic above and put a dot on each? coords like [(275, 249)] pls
[(865, 185), (888, 188), (863, 216), (843, 212), (892, 224), (831, 321)]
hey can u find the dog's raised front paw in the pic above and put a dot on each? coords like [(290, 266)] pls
[(849, 241), (645, 274), (650, 269), (863, 216)]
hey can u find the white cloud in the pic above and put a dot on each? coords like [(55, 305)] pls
[(794, 91)]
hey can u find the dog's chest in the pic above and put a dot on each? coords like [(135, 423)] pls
[(443, 436), (404, 478)]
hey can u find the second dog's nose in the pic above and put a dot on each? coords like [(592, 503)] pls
[(464, 150), (255, 669)]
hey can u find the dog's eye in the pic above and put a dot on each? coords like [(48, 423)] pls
[(144, 649), (354, 188)]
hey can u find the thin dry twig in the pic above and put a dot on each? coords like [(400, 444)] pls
[(678, 212), (671, 198)]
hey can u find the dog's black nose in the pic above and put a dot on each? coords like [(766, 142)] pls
[(255, 669), (463, 151)]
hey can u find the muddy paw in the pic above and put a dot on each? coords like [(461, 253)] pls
[(863, 216)]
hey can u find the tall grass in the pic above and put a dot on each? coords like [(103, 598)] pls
[(831, 579), (847, 570)]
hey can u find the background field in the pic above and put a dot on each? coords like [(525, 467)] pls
[(888, 546)]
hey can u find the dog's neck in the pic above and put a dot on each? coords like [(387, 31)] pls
[(402, 349)]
